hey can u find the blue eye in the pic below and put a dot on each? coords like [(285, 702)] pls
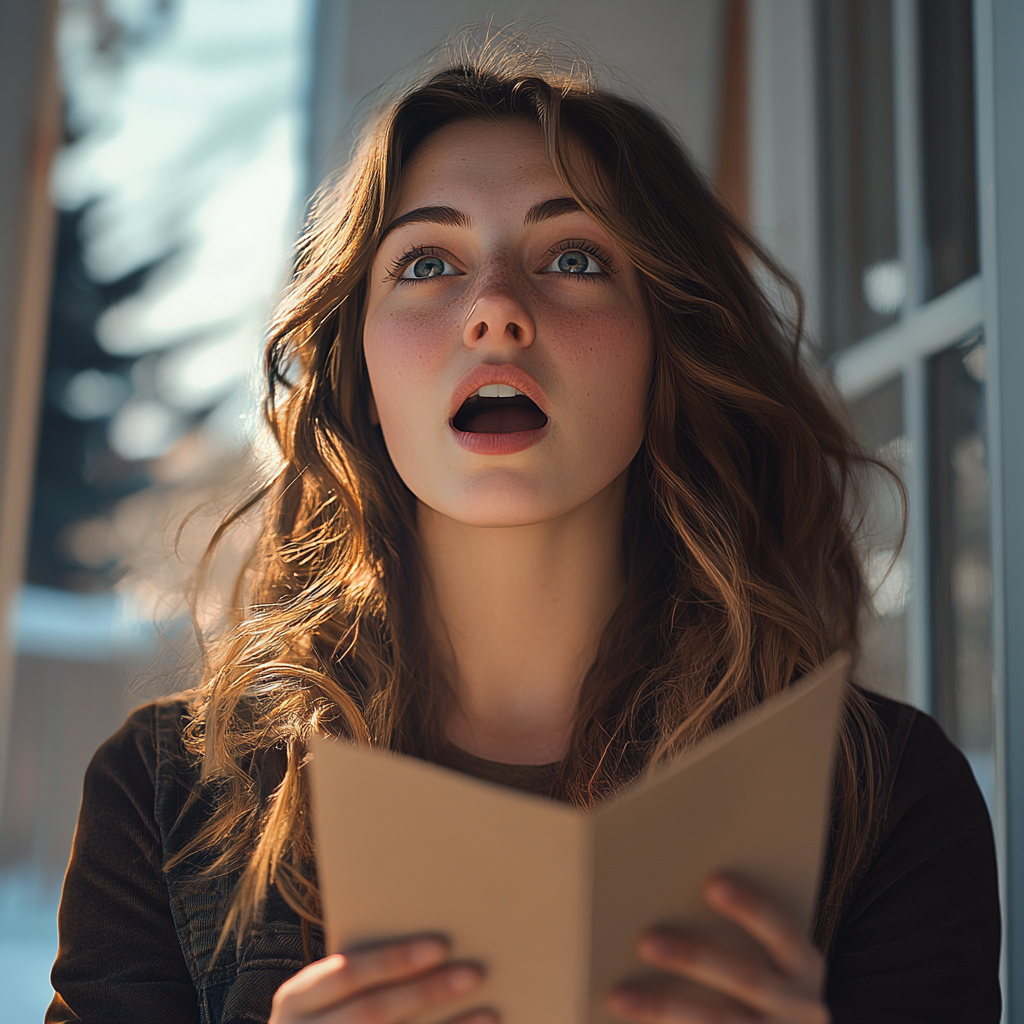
[(574, 261), (428, 266)]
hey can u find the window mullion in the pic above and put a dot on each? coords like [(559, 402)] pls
[(915, 425), (906, 98), (999, 33), (915, 389)]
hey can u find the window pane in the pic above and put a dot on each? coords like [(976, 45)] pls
[(961, 576), (863, 281), (878, 421), (947, 122)]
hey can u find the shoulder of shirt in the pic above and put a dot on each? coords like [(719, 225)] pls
[(923, 763), (148, 739)]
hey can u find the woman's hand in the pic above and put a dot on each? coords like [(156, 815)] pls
[(788, 994), (382, 985)]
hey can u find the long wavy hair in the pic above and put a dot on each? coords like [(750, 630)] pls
[(742, 572)]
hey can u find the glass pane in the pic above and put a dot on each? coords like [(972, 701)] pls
[(961, 575), (863, 280), (878, 421), (947, 122)]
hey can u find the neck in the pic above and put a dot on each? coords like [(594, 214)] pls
[(521, 611)]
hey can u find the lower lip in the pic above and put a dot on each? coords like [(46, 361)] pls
[(499, 444)]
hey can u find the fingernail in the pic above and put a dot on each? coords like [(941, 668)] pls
[(462, 979), (425, 951), (630, 1000), (334, 962), (724, 888)]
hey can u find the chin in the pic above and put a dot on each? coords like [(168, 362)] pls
[(502, 499)]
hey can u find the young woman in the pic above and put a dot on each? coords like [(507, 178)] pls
[(557, 497)]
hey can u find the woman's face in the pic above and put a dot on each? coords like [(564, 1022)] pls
[(507, 348)]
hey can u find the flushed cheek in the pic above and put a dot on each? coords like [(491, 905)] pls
[(607, 365), (410, 342), (405, 356)]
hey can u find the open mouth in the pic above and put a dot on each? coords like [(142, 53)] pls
[(498, 409)]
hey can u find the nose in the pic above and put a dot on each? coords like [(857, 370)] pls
[(498, 316)]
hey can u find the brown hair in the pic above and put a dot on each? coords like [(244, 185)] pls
[(741, 563)]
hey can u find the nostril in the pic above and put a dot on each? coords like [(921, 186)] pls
[(480, 330), (514, 330)]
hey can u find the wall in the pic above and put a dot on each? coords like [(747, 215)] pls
[(662, 51)]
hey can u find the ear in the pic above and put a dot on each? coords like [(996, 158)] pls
[(372, 409)]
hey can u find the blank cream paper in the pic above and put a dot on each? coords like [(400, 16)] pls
[(551, 898)]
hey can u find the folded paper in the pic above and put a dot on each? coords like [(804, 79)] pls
[(550, 898)]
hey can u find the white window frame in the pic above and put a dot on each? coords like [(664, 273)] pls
[(785, 212)]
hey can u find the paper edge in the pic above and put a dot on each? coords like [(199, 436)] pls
[(649, 779), (726, 733)]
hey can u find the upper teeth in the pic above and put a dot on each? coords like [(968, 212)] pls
[(497, 391)]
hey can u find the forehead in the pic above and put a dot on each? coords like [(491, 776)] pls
[(476, 159)]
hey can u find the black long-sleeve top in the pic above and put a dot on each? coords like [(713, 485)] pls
[(918, 940)]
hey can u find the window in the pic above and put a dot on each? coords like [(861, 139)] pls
[(878, 419), (961, 572), (949, 175), (899, 242), (863, 278)]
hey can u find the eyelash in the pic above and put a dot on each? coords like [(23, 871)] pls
[(410, 256), (567, 245), (582, 245)]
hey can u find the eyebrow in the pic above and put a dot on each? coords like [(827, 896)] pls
[(446, 215), (453, 218), (551, 208)]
